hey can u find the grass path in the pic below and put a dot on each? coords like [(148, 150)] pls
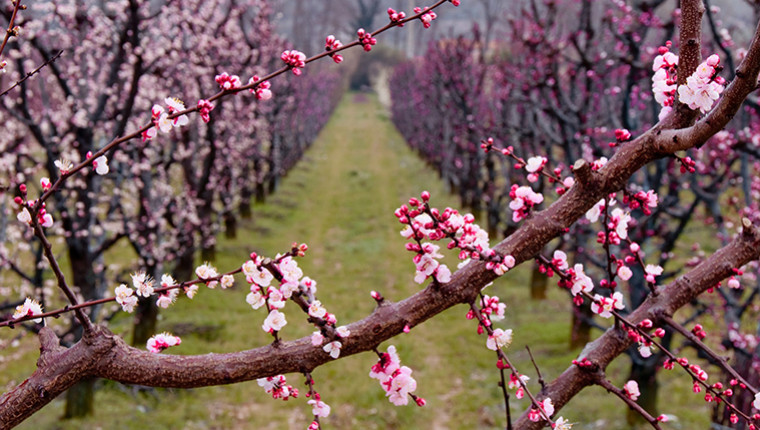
[(340, 200)]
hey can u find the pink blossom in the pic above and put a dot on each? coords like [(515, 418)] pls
[(317, 338), (333, 348), (401, 385), (624, 272), (319, 408), (275, 321), (605, 305), (29, 308), (581, 281), (316, 309), (559, 260), (499, 339), (162, 341), (143, 284), (631, 390), (652, 271), (255, 298)]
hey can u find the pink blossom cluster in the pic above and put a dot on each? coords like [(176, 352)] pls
[(331, 44), (704, 86), (604, 306), (366, 39), (642, 200), (617, 227), (491, 309), (396, 16), (262, 90), (427, 17), (25, 216), (424, 222), (295, 59), (517, 383), (278, 387), (533, 166), (204, 109), (228, 82), (665, 78), (162, 341), (546, 406), (161, 120), (28, 308), (395, 379), (523, 200), (636, 335), (263, 292)]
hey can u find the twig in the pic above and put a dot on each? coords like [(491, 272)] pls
[(33, 72)]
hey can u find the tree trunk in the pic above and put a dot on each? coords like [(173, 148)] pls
[(538, 283), (245, 207), (208, 253), (580, 333), (80, 399), (261, 194), (145, 321), (230, 225)]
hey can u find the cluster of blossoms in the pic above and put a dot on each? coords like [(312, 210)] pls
[(704, 86), (489, 308), (161, 120), (665, 79), (228, 82), (262, 90), (533, 166), (395, 379), (423, 222), (641, 200), (28, 308), (546, 405), (295, 59), (25, 216), (278, 387), (162, 341), (366, 39), (396, 16), (144, 286), (204, 109), (331, 44), (644, 345), (427, 17), (603, 306), (523, 200), (548, 408)]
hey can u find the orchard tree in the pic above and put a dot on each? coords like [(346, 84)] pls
[(699, 104)]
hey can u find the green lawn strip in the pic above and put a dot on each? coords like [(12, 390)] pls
[(340, 201)]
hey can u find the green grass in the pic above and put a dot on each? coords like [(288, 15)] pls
[(340, 200)]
